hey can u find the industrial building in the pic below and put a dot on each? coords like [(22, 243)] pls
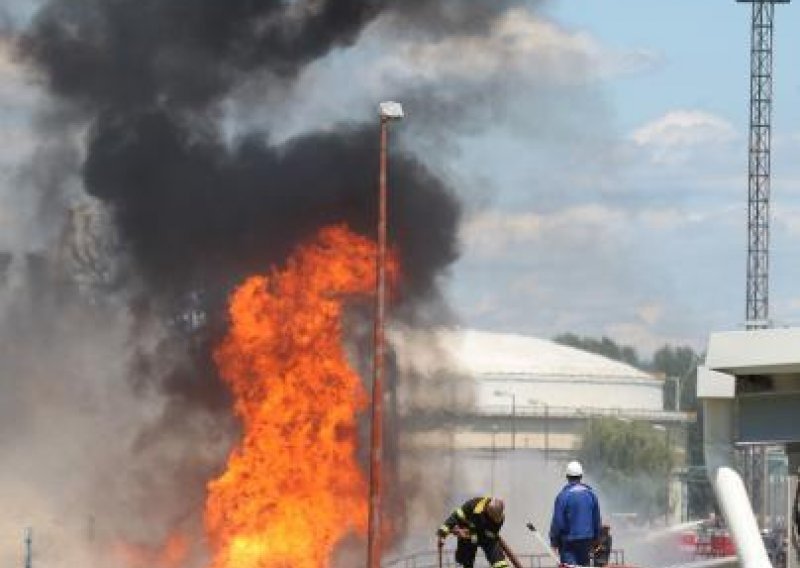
[(529, 396), (534, 393)]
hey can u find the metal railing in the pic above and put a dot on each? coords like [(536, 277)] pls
[(430, 559), (553, 411)]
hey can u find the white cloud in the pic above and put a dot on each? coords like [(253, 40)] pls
[(518, 41), (671, 218), (787, 218), (679, 134), (666, 218), (492, 233)]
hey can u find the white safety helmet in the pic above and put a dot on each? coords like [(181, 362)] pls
[(574, 469)]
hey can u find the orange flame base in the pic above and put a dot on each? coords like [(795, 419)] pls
[(292, 489)]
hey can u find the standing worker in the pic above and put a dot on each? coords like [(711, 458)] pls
[(476, 523), (575, 527)]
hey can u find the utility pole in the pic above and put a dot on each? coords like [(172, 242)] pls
[(759, 169), (389, 111), (494, 455), (28, 547), (513, 398)]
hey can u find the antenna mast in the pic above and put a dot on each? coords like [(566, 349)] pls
[(757, 309)]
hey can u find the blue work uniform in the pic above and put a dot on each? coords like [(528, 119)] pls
[(576, 523)]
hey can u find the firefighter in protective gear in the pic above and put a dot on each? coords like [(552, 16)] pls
[(476, 523)]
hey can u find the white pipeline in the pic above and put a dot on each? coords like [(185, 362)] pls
[(728, 486)]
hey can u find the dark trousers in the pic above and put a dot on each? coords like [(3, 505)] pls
[(466, 550), (575, 552)]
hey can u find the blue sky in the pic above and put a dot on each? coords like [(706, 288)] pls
[(674, 269), (705, 49), (599, 148)]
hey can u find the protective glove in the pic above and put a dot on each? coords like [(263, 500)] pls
[(461, 532)]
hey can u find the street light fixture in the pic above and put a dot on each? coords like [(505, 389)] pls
[(513, 415), (389, 111), (546, 406)]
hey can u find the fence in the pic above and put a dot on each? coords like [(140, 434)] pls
[(429, 559)]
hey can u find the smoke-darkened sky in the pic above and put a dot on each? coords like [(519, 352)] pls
[(148, 79)]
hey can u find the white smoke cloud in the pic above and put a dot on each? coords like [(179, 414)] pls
[(80, 469), (515, 66)]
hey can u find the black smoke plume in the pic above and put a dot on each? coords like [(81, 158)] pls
[(198, 213), (195, 211)]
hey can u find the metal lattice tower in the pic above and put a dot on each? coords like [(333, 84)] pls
[(759, 171), (757, 310)]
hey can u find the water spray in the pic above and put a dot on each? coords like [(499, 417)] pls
[(538, 536)]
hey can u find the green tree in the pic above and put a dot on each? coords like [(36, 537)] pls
[(630, 460), (604, 346)]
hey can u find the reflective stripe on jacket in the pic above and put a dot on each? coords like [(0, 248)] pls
[(472, 516)]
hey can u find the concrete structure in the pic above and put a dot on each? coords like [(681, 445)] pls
[(750, 389), (528, 392), (550, 373)]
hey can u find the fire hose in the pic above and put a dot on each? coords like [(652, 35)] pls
[(506, 549), (509, 553)]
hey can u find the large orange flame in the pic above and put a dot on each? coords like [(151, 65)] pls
[(292, 489)]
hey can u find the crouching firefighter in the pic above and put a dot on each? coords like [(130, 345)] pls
[(476, 523)]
